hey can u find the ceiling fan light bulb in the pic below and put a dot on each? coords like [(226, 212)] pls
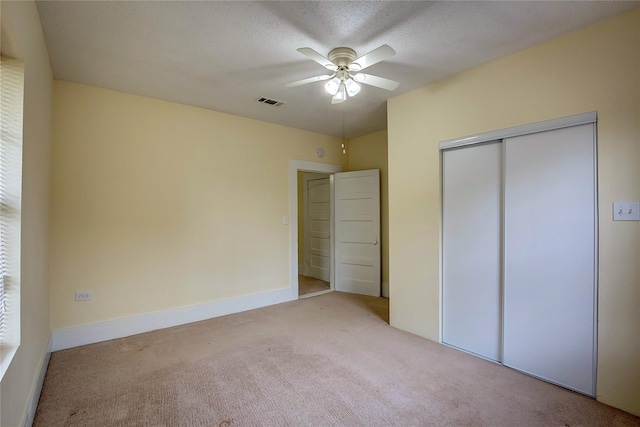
[(341, 94), (333, 86), (352, 87)]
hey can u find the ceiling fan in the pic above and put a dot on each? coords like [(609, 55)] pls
[(346, 67)]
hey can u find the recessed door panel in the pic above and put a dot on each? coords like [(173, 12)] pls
[(472, 215), (550, 225)]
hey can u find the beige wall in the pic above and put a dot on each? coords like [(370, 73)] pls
[(157, 205), (22, 38), (595, 69), (370, 152)]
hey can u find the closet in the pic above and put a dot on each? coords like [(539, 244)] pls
[(519, 248)]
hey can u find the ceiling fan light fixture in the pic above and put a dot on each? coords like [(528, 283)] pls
[(333, 86), (343, 61), (352, 87)]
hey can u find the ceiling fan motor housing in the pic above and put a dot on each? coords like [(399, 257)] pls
[(343, 57)]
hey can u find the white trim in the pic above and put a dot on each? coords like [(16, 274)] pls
[(6, 356), (596, 261), (503, 233), (294, 167), (441, 254), (563, 122), (332, 231), (36, 389), (385, 290), (11, 144), (315, 294), (103, 331)]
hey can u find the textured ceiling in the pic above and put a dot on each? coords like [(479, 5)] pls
[(223, 55)]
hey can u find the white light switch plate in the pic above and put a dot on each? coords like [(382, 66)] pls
[(626, 211), (83, 296)]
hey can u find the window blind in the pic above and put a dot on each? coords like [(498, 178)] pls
[(11, 123)]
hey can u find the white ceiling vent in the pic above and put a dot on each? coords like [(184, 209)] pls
[(268, 101)]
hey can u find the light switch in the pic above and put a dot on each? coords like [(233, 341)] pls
[(626, 211), (285, 220)]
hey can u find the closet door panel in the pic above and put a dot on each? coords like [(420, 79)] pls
[(472, 249), (549, 231)]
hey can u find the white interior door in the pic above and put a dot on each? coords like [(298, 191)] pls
[(472, 245), (319, 223), (357, 232), (550, 253)]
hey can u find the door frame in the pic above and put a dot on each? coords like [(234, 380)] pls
[(503, 134), (294, 167)]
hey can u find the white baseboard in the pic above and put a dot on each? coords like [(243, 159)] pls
[(103, 331), (36, 389), (385, 290)]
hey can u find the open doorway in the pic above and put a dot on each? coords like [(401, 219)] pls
[(296, 208), (314, 233), (354, 222)]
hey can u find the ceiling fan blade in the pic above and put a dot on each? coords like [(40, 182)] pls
[(312, 54), (373, 57), (376, 81), (309, 80)]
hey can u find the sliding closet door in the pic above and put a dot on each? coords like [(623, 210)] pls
[(550, 241), (472, 248)]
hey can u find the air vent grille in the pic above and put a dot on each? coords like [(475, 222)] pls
[(268, 101)]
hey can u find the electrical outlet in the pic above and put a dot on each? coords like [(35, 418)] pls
[(626, 211), (83, 296)]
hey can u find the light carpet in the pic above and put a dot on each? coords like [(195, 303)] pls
[(330, 360)]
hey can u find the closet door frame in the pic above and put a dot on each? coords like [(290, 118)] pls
[(564, 122)]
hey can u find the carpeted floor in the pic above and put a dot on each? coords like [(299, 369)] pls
[(330, 360), (308, 285)]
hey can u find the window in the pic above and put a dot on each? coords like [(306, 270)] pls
[(11, 108)]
